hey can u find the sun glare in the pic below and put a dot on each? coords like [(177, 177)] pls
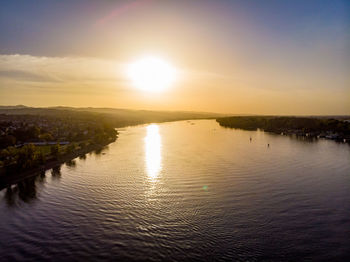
[(153, 146), (151, 74)]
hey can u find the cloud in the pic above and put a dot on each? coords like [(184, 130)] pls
[(20, 75), (27, 68)]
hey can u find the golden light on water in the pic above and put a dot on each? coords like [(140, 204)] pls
[(153, 155), (151, 74)]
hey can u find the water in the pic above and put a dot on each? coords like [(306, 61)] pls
[(181, 190)]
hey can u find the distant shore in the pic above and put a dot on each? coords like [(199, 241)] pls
[(327, 128)]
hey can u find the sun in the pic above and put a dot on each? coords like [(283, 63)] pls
[(151, 74)]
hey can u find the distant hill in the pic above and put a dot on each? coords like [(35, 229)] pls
[(13, 107), (117, 117)]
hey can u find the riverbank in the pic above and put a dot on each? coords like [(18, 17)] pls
[(9, 178), (310, 127)]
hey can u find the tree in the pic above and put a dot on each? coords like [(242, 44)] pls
[(25, 158), (55, 150), (39, 157), (70, 148), (46, 137), (6, 141)]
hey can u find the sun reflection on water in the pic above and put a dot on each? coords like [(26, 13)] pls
[(153, 151)]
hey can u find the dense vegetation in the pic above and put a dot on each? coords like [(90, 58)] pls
[(29, 156), (28, 141), (297, 125), (19, 129)]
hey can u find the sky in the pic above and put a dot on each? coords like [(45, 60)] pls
[(241, 57)]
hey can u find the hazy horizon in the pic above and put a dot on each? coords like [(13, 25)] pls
[(141, 109)]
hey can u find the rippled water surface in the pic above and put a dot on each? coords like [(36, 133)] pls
[(181, 190)]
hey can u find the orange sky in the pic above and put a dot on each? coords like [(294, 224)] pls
[(230, 58)]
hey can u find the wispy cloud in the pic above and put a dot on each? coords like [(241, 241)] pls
[(21, 75), (59, 69)]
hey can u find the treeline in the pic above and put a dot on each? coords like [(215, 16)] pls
[(308, 125), (28, 141), (14, 159), (20, 129)]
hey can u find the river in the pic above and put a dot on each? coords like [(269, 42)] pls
[(186, 190)]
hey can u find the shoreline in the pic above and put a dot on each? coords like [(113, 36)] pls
[(312, 128), (8, 179), (295, 133)]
